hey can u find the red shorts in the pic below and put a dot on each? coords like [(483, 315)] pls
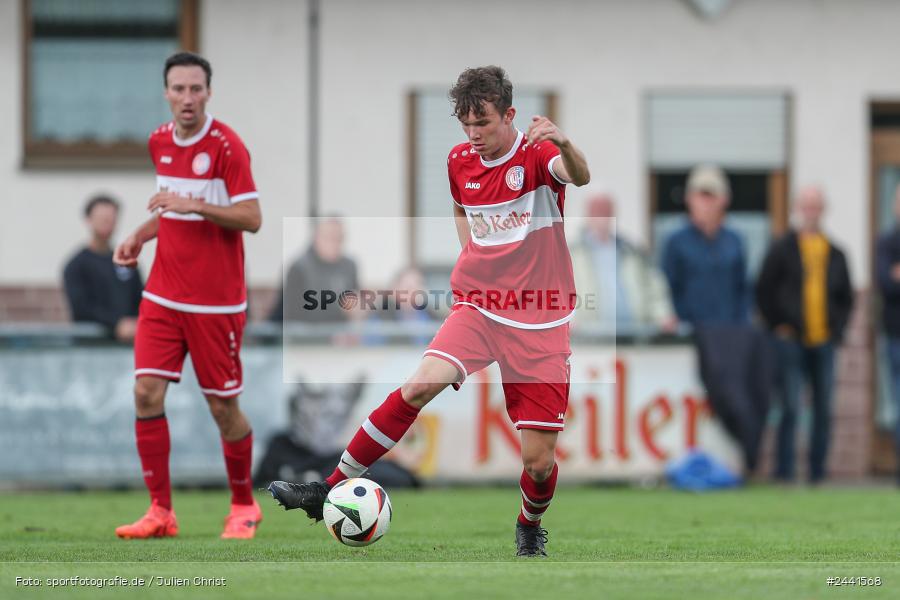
[(534, 363), (164, 336)]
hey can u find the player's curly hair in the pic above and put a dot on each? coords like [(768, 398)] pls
[(478, 85)]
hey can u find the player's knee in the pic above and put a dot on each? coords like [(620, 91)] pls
[(419, 393), (218, 410), (539, 467), (223, 410), (149, 395)]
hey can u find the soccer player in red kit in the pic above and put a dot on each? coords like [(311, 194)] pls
[(195, 300), (514, 295)]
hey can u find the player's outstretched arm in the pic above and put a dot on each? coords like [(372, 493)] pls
[(127, 252), (244, 215), (572, 166)]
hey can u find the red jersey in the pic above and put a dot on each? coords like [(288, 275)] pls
[(199, 266), (516, 268)]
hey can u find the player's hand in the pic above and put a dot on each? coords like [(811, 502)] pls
[(543, 129), (127, 252), (125, 329), (170, 201), (895, 272)]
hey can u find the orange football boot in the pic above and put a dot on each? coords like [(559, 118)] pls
[(242, 521), (157, 522)]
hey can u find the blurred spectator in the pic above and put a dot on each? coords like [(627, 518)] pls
[(705, 265), (408, 303), (322, 269), (805, 296), (705, 261), (887, 267), (99, 291), (618, 283)]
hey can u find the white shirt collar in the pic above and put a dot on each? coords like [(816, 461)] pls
[(196, 137)]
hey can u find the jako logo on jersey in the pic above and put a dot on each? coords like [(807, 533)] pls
[(471, 185), (515, 178), (166, 160), (201, 164)]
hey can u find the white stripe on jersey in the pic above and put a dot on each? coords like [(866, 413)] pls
[(180, 217), (195, 308), (511, 221), (242, 197), (552, 172), (519, 324), (213, 191)]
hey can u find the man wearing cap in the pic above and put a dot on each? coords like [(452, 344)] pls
[(706, 267), (804, 295), (705, 261)]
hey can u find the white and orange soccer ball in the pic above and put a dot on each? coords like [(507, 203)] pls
[(357, 512)]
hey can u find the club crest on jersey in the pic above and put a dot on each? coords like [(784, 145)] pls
[(480, 227), (515, 178), (200, 165)]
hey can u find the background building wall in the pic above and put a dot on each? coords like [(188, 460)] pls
[(258, 56), (601, 58)]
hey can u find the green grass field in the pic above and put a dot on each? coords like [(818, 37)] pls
[(458, 543)]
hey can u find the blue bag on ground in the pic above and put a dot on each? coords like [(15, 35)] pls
[(697, 471)]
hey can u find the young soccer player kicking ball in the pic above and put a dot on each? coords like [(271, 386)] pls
[(514, 296)]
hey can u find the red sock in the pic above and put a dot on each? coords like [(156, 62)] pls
[(536, 497), (238, 461), (153, 447), (384, 428)]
